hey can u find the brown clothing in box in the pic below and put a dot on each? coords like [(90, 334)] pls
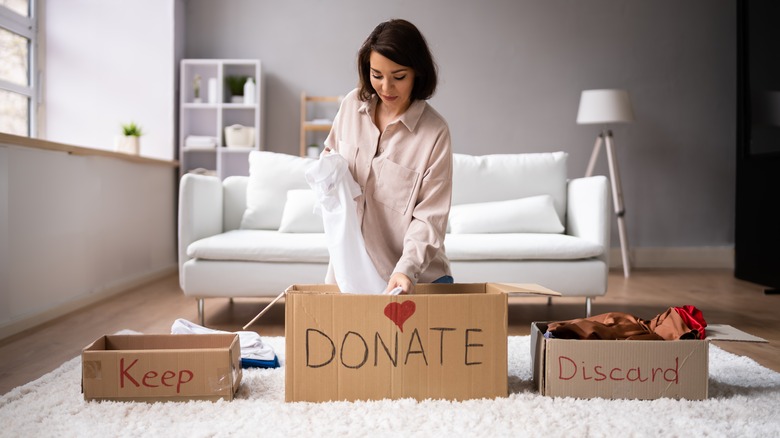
[(668, 325)]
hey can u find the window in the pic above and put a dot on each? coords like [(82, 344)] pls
[(18, 89)]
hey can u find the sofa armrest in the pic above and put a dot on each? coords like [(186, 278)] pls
[(587, 210), (200, 211)]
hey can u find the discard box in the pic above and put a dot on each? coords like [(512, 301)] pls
[(619, 369), (162, 367), (446, 341)]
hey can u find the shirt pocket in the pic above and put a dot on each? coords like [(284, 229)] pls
[(395, 185)]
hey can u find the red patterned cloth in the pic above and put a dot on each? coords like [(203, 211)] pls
[(694, 319)]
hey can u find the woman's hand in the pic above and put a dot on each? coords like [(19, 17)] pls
[(399, 280)]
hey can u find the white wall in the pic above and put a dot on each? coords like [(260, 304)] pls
[(77, 228), (109, 63)]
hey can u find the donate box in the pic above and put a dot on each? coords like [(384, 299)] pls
[(445, 341), (161, 367), (619, 369)]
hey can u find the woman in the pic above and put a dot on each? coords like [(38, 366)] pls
[(398, 150)]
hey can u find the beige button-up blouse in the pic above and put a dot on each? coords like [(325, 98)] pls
[(406, 179)]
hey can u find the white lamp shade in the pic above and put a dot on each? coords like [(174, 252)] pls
[(605, 106)]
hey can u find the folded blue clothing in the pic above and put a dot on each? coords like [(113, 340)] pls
[(258, 363)]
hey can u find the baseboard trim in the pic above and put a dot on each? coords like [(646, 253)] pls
[(699, 257), (33, 320)]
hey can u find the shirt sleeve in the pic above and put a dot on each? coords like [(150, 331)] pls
[(425, 235), (332, 140)]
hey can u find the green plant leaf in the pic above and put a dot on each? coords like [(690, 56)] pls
[(131, 129), (236, 84)]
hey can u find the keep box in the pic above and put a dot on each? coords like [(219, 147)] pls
[(162, 367)]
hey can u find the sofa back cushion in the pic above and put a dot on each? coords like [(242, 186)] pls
[(503, 177), (534, 214), (271, 175)]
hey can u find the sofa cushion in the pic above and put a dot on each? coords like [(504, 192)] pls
[(519, 246), (271, 175), (261, 246), (503, 177), (534, 214), (298, 215), (273, 246)]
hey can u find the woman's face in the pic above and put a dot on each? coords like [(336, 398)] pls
[(392, 82)]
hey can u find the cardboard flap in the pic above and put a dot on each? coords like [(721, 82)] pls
[(266, 308), (522, 289), (724, 332)]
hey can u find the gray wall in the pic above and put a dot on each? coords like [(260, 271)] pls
[(511, 75)]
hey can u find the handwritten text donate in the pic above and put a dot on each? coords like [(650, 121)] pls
[(352, 349), (355, 350)]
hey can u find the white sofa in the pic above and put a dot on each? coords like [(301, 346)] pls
[(515, 218)]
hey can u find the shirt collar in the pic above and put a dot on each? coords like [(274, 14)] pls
[(413, 114), (410, 118)]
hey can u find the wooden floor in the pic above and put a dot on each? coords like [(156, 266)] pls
[(154, 307)]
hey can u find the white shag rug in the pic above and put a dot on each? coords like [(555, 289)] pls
[(744, 402)]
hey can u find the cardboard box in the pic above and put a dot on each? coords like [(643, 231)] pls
[(625, 369), (446, 341), (161, 367)]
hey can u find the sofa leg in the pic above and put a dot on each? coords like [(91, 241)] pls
[(201, 316), (588, 302), (549, 301)]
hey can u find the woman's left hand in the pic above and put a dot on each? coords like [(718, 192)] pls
[(400, 280)]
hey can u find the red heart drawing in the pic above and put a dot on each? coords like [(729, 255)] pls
[(400, 312)]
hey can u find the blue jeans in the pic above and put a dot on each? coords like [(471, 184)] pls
[(447, 279)]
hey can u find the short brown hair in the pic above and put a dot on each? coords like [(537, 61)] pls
[(399, 41)]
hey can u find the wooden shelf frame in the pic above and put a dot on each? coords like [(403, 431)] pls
[(309, 126)]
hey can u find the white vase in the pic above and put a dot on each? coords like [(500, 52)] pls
[(249, 92), (212, 90), (127, 144)]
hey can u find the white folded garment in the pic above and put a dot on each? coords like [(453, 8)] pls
[(396, 291), (201, 138), (252, 346), (336, 191), (200, 141)]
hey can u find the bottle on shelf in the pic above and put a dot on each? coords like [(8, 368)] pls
[(249, 92), (212, 90)]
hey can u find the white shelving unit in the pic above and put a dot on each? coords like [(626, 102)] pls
[(208, 118)]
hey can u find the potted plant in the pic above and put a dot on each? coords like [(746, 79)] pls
[(196, 88), (130, 141), (236, 86)]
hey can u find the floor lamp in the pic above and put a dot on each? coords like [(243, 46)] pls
[(605, 107)]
